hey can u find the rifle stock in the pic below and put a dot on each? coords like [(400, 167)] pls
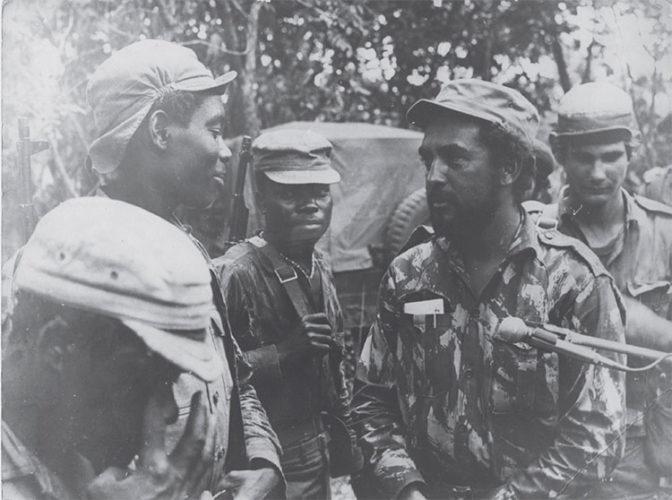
[(239, 212)]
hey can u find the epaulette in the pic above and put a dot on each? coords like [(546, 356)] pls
[(232, 254), (420, 234), (533, 206), (544, 216), (556, 239), (653, 206)]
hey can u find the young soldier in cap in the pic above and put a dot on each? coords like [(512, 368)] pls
[(632, 236), (283, 305), (159, 114), (446, 408), (103, 326)]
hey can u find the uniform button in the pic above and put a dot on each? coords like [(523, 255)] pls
[(215, 397), (220, 454), (468, 373)]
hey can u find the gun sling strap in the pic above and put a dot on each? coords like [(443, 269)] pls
[(344, 457), (287, 275)]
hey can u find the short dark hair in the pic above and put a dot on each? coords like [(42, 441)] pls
[(511, 149)]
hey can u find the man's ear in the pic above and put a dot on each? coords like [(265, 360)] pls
[(509, 173), (52, 344), (157, 126)]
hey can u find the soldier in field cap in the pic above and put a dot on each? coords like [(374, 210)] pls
[(285, 312), (159, 117), (104, 325), (594, 140), (445, 408)]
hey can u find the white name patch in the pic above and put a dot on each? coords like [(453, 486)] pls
[(424, 307)]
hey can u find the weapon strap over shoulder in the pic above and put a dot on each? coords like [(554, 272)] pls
[(287, 276), (345, 457)]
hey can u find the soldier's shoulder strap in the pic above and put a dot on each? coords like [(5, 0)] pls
[(544, 216), (553, 238), (232, 254), (653, 206)]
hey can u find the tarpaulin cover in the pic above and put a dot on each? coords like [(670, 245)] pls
[(379, 167)]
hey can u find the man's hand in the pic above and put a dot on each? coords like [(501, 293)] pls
[(159, 475), (248, 484), (314, 338)]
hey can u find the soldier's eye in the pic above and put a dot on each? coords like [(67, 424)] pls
[(612, 157), (457, 163)]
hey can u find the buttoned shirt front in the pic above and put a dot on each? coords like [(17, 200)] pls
[(244, 432), (445, 401)]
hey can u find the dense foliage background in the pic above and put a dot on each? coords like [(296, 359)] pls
[(337, 60)]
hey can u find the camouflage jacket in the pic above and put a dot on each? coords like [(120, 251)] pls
[(443, 401), (262, 315)]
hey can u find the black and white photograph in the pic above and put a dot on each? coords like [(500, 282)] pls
[(336, 249)]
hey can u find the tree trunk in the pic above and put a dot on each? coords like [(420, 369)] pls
[(248, 76), (559, 56)]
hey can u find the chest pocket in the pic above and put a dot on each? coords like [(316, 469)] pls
[(428, 323), (524, 381)]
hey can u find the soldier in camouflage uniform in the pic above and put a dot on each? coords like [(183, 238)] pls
[(594, 140), (445, 409)]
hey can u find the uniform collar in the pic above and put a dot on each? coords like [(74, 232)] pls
[(525, 239), (633, 212)]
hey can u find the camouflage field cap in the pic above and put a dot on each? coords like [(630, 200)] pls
[(491, 102), (594, 107), (124, 87), (290, 156), (118, 260)]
